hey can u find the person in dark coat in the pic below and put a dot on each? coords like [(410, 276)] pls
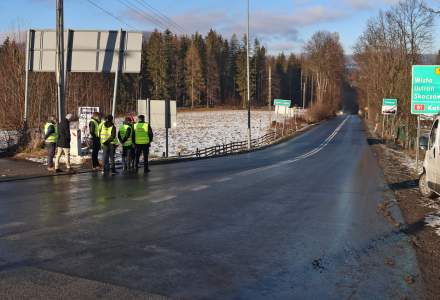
[(63, 144)]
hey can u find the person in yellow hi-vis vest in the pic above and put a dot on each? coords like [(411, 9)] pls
[(125, 136), (109, 143), (142, 138), (51, 138)]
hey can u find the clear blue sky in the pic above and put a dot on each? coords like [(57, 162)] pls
[(282, 25)]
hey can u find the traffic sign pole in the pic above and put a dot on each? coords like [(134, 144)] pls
[(418, 144)]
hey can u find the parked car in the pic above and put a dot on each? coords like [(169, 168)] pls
[(429, 183)]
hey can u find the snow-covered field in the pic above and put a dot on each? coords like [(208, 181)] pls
[(209, 128)]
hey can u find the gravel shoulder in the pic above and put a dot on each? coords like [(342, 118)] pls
[(418, 212)]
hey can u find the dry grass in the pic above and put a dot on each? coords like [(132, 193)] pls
[(319, 112)]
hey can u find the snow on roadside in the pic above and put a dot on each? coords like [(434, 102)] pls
[(433, 219)]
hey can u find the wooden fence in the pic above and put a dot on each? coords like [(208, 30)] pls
[(279, 131)]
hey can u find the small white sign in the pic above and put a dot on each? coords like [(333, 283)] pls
[(85, 114)]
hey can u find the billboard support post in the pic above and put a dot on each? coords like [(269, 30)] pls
[(167, 124), (119, 64), (26, 84)]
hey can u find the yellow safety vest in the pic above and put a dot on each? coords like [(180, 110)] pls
[(123, 131), (105, 133), (54, 136), (141, 133), (96, 126)]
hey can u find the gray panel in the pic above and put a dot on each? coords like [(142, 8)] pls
[(157, 112), (91, 51)]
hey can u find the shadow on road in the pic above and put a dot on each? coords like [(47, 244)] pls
[(404, 185), (414, 228), (372, 141)]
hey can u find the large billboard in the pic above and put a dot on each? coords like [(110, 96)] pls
[(87, 51)]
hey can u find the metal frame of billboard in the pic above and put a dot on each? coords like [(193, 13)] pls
[(103, 51)]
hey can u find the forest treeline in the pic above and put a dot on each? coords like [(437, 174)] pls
[(195, 70), (393, 41)]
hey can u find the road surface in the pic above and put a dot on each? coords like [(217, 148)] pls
[(298, 220)]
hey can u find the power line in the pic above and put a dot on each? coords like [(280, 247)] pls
[(110, 14), (142, 14), (161, 15)]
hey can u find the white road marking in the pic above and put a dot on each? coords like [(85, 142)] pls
[(11, 225), (166, 198), (80, 211), (301, 157), (224, 179), (111, 213), (155, 179), (199, 188), (140, 198)]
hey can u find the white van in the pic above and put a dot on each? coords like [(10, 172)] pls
[(429, 183)]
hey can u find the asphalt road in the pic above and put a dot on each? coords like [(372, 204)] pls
[(298, 220)]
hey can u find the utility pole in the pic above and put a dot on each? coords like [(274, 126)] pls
[(269, 100), (59, 72), (304, 93), (248, 77)]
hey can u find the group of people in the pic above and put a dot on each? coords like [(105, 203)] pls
[(134, 137)]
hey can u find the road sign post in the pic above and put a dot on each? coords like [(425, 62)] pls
[(282, 103)]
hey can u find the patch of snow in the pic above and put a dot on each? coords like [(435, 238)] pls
[(433, 220)]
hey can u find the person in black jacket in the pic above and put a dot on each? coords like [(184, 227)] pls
[(63, 144), (94, 139)]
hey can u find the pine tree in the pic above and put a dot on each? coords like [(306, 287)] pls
[(193, 73), (157, 66), (241, 73), (212, 68)]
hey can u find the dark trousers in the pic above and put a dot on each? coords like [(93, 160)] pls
[(128, 157), (144, 150), (109, 157), (51, 149), (96, 146)]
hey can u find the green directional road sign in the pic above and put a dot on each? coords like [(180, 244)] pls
[(281, 102), (389, 106), (425, 95)]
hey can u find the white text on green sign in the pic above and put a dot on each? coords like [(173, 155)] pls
[(282, 102), (425, 94), (389, 106)]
